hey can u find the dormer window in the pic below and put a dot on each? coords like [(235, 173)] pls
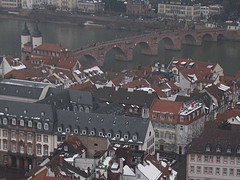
[(181, 118), (25, 111), (218, 148), (39, 125), (125, 136), (46, 127), (67, 130), (100, 133), (5, 121), (118, 135), (134, 137), (75, 131), (84, 131), (42, 113), (208, 147), (14, 121), (170, 118), (238, 149), (229, 148), (162, 117), (59, 129), (109, 135), (92, 133), (29, 123), (21, 122)]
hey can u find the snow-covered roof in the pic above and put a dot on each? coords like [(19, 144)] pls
[(191, 63), (127, 171), (175, 62), (22, 66), (149, 171), (183, 62), (223, 87), (94, 68), (209, 66)]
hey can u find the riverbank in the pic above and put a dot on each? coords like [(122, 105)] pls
[(109, 22)]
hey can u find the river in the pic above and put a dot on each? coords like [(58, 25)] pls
[(226, 53)]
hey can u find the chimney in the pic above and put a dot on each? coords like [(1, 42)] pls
[(150, 91), (121, 165), (88, 171)]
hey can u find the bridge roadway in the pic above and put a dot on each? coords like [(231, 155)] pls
[(149, 43)]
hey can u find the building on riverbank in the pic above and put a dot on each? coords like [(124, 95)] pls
[(179, 10)]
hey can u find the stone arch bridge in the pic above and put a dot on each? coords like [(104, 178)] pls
[(148, 43)]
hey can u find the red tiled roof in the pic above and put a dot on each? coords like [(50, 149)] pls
[(227, 115), (50, 47), (166, 106), (84, 86)]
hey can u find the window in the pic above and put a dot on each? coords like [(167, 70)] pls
[(117, 135), (59, 129), (29, 123), (29, 137), (100, 133), (134, 137), (109, 135), (210, 158), (199, 169), (67, 130), (125, 136), (14, 134), (39, 138), (192, 157), (170, 118), (46, 127), (231, 172), (238, 160), (154, 116), (218, 160), (46, 138), (39, 149), (218, 148), (225, 160), (21, 122), (191, 169), (206, 158), (5, 133), (199, 158), (92, 133), (205, 170), (162, 117), (232, 160), (39, 125), (29, 150), (14, 121), (65, 148), (224, 171), (210, 170), (238, 172), (181, 118), (5, 121), (45, 150), (217, 171), (21, 149), (13, 146), (75, 131), (5, 144), (5, 159), (84, 132), (208, 148)]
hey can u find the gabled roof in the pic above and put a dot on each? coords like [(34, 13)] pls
[(137, 83), (86, 86)]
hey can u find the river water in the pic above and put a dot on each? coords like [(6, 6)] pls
[(226, 53)]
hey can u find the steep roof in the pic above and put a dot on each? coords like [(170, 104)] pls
[(125, 96), (36, 112), (103, 122), (213, 136)]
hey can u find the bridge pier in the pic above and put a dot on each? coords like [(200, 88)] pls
[(153, 50), (176, 47)]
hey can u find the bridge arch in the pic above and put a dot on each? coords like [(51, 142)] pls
[(145, 48), (87, 59), (168, 42), (207, 37), (189, 39), (119, 53), (220, 37)]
